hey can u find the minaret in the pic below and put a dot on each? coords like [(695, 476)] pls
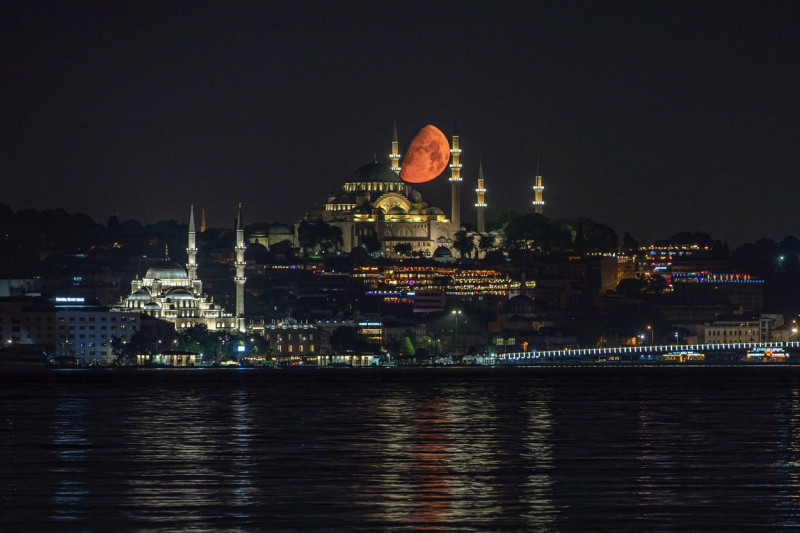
[(455, 181), (394, 157), (202, 220), (538, 190), (191, 248), (480, 205), (240, 279)]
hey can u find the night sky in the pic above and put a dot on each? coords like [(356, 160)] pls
[(652, 117)]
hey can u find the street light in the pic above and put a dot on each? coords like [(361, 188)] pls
[(676, 337), (456, 312), (652, 334)]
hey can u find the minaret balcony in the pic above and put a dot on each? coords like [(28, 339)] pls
[(455, 165), (538, 188), (480, 190), (240, 248), (456, 179), (455, 150), (538, 202), (240, 263), (480, 205), (238, 279)]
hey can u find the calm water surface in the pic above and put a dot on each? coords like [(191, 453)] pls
[(401, 449)]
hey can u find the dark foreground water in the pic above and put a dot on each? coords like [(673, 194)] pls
[(607, 449)]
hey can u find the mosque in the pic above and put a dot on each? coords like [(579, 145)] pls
[(376, 209), (170, 292)]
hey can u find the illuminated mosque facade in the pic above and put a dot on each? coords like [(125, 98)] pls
[(375, 206), (170, 292)]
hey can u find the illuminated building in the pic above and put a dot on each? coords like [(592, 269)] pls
[(737, 328), (74, 326), (740, 289), (394, 157), (172, 293), (375, 207), (292, 339), (538, 191), (455, 181), (480, 205), (432, 284)]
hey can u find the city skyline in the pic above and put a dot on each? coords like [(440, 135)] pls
[(652, 119)]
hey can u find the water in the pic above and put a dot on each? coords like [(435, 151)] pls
[(622, 449)]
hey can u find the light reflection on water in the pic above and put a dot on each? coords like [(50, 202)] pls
[(407, 450)]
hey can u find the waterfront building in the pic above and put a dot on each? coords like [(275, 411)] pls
[(71, 326), (170, 292), (745, 328), (291, 339)]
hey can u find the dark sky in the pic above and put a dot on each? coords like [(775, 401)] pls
[(652, 117)]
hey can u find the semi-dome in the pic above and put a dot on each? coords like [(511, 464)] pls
[(442, 251), (180, 294), (396, 210), (140, 295), (166, 270), (374, 172)]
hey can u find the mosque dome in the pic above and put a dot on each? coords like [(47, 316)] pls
[(180, 294), (166, 270), (152, 306), (279, 229), (415, 196), (140, 295), (374, 172), (434, 211), (396, 210)]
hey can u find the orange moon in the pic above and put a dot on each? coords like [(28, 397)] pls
[(426, 157)]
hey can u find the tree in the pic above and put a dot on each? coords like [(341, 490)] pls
[(464, 244), (344, 339), (407, 347), (402, 249), (486, 243)]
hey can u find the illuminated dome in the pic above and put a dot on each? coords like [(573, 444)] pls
[(374, 172), (396, 210), (152, 306), (140, 295), (180, 294), (166, 270)]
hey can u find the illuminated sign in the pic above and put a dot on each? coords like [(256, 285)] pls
[(70, 299)]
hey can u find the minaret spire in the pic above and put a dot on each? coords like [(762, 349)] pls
[(203, 220), (240, 264), (538, 190), (480, 205), (191, 247), (394, 157), (455, 180)]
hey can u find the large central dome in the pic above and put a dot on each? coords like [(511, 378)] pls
[(374, 172), (166, 270)]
